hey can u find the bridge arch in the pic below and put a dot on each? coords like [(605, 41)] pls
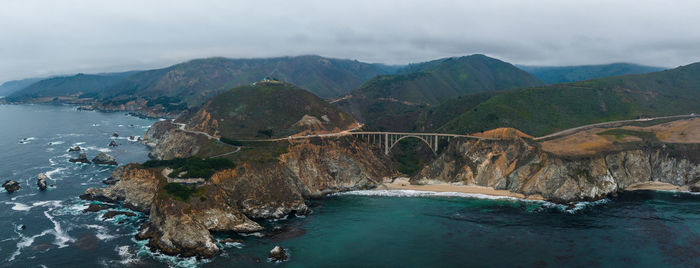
[(411, 136)]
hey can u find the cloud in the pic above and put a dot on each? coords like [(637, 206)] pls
[(46, 37)]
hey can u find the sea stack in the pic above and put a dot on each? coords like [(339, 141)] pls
[(82, 158), (104, 159), (75, 149), (41, 181), (278, 254), (11, 186)]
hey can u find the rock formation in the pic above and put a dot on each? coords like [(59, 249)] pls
[(520, 166), (113, 143), (41, 181), (231, 198), (74, 149), (82, 158), (11, 186), (278, 254), (104, 159)]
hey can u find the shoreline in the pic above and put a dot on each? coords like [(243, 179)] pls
[(402, 183)]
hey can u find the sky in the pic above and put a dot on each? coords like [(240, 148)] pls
[(47, 37)]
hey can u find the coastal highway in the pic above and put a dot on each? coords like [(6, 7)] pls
[(611, 123)]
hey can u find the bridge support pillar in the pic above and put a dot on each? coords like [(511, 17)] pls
[(386, 143)]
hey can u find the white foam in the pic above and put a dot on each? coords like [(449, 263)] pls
[(62, 237), (104, 150), (414, 193), (22, 207), (126, 256), (56, 143), (102, 232), (256, 234), (25, 242), (50, 174)]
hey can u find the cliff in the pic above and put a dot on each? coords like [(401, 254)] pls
[(231, 198), (521, 166)]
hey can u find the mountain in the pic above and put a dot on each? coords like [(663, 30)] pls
[(171, 90), (563, 74), (10, 87), (391, 101), (266, 109), (75, 87), (543, 110), (193, 82)]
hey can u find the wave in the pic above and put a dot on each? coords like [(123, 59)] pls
[(62, 237), (52, 143), (50, 174), (26, 140), (23, 207), (94, 148), (172, 261), (26, 241), (102, 232)]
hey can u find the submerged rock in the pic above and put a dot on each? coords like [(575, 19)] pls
[(11, 186), (278, 254), (114, 213), (95, 208), (41, 181), (115, 134), (104, 159), (82, 158), (113, 144), (75, 149)]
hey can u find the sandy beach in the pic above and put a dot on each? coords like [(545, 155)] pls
[(404, 184)]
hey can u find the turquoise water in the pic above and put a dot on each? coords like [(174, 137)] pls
[(643, 229)]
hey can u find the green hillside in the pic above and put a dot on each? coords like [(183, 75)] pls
[(193, 82), (79, 86), (392, 101), (265, 110), (563, 74), (543, 110)]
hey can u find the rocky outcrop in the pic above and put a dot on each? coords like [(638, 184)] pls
[(104, 159), (113, 144), (278, 254), (11, 186), (75, 149), (41, 181), (167, 141), (231, 198), (136, 188), (520, 166), (82, 158)]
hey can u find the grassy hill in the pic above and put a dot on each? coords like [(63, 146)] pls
[(79, 86), (265, 110), (392, 101), (543, 110), (563, 74)]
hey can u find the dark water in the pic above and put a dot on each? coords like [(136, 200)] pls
[(644, 229)]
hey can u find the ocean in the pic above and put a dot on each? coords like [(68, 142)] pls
[(363, 228)]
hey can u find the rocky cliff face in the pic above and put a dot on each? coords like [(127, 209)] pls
[(167, 141), (521, 166), (231, 198)]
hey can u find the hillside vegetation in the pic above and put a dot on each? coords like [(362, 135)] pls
[(266, 110), (393, 101), (77, 86), (563, 74), (543, 110)]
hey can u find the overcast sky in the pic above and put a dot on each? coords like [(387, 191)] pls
[(48, 37)]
